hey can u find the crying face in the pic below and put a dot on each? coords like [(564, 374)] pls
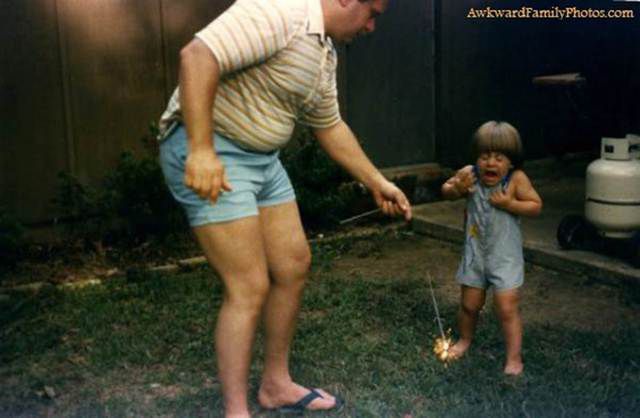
[(492, 167)]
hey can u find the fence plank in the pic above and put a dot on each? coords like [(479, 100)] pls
[(391, 87), (181, 20), (116, 74), (32, 126)]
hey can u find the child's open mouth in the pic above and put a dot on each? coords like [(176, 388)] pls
[(490, 175)]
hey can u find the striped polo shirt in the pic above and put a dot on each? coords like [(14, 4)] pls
[(277, 66)]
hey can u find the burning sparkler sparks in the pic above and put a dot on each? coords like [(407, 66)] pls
[(441, 349), (442, 344)]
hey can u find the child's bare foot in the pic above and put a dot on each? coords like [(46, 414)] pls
[(513, 368), (459, 348)]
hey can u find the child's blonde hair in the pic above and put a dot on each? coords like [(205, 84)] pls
[(502, 137)]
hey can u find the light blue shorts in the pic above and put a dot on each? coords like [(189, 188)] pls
[(502, 270), (257, 179), (499, 282)]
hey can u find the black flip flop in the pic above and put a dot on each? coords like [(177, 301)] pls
[(300, 406)]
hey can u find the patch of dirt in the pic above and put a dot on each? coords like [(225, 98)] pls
[(134, 385), (386, 250), (388, 253), (76, 261), (547, 296)]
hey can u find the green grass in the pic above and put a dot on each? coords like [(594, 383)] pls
[(144, 349)]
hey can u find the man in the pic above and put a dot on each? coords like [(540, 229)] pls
[(244, 81)]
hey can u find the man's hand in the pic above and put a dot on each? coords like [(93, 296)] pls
[(204, 174), (392, 201), (343, 148), (199, 78)]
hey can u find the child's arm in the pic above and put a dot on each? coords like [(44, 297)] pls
[(520, 198), (459, 185)]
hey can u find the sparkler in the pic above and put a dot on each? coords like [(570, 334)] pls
[(362, 215), (442, 344)]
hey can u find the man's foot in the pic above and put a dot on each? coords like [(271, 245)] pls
[(513, 368), (293, 395), (459, 348)]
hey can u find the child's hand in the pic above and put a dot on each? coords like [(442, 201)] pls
[(520, 198), (460, 184), (501, 199), (464, 180)]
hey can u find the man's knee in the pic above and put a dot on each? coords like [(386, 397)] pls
[(299, 263), (249, 292), (302, 260), (294, 266)]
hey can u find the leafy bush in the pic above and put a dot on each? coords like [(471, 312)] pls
[(137, 193), (11, 239), (324, 191), (81, 204), (131, 203)]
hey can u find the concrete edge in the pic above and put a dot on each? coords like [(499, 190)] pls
[(423, 172), (564, 261)]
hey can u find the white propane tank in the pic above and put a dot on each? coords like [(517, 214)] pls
[(612, 202)]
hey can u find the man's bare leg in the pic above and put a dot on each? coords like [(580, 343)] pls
[(235, 250), (288, 258), (506, 304), (471, 302)]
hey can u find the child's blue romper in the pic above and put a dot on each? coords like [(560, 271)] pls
[(493, 243)]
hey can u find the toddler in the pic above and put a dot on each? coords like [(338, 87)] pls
[(498, 192)]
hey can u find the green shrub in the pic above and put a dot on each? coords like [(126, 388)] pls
[(130, 203), (137, 193), (324, 190), (81, 206), (11, 239)]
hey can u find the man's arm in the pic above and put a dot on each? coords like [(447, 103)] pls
[(342, 146), (199, 77)]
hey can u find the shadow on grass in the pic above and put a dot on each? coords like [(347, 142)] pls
[(144, 349)]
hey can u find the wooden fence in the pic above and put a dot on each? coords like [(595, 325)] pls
[(81, 80)]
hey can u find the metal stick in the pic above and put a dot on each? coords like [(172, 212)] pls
[(435, 306), (362, 215)]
